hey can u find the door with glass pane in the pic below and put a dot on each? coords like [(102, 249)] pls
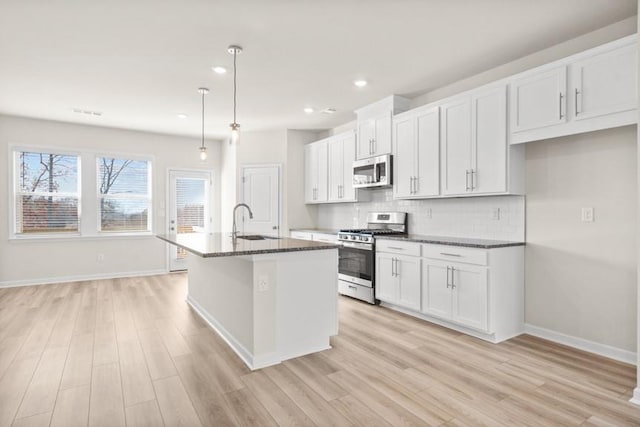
[(189, 209)]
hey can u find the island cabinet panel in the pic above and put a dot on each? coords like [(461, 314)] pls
[(476, 291)]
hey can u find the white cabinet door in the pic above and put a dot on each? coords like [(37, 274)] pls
[(456, 146), (310, 174), (489, 140), (336, 169), (382, 137), (436, 293), (408, 276), (366, 134), (386, 281), (470, 296), (349, 156), (404, 156), (427, 176), (323, 169), (539, 100), (605, 83)]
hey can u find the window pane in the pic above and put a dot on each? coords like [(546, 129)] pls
[(122, 176), (190, 204), (122, 214), (44, 214), (47, 173)]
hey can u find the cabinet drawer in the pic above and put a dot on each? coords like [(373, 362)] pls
[(327, 238), (398, 247), (456, 254), (301, 235), (364, 293)]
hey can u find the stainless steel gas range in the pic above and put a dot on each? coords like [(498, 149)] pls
[(356, 268)]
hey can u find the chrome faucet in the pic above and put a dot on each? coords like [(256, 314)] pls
[(234, 233)]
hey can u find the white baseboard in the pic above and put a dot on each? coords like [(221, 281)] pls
[(583, 344), (235, 345), (79, 278), (635, 399)]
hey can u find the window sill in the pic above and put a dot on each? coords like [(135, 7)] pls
[(81, 238)]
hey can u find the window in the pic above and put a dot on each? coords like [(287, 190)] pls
[(124, 195), (46, 193)]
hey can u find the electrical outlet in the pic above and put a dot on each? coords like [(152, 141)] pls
[(495, 214), (100, 258), (587, 215), (263, 284)]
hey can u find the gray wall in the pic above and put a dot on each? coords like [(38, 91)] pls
[(581, 276)]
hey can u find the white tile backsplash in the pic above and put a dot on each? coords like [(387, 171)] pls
[(456, 217)]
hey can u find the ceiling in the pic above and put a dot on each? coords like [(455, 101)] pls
[(140, 62)]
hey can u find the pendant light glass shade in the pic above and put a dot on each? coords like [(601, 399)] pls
[(235, 127), (203, 149)]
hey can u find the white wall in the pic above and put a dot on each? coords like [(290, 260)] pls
[(282, 147), (37, 261), (581, 276)]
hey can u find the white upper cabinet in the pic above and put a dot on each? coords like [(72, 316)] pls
[(374, 126), (489, 165), (475, 156), (605, 83), (416, 137), (315, 163), (592, 90), (539, 100), (456, 146), (342, 153)]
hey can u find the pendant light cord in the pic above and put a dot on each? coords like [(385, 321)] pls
[(202, 146), (235, 54)]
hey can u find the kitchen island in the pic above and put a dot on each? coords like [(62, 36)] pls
[(271, 299)]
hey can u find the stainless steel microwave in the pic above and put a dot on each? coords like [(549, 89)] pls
[(372, 172)]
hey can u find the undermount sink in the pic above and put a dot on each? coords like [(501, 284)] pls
[(256, 237)]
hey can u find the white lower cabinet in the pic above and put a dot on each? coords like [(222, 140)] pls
[(476, 291), (398, 280), (456, 292)]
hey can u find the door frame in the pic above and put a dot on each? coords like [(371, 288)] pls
[(167, 200), (264, 165)]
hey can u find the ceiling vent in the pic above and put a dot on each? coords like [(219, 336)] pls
[(87, 112)]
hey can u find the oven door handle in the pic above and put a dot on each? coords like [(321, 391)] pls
[(365, 246)]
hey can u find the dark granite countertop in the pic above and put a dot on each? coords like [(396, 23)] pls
[(454, 241), (317, 230), (221, 244)]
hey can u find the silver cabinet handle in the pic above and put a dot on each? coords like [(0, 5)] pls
[(352, 287), (448, 254), (473, 179), (453, 278), (393, 273), (448, 284), (397, 263), (410, 185), (466, 180), (560, 105), (415, 185), (396, 248), (577, 92)]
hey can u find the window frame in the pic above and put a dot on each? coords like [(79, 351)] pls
[(148, 196), (15, 192)]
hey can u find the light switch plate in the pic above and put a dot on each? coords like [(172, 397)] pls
[(587, 215)]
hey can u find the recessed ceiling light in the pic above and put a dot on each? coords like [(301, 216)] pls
[(182, 116), (360, 83), (308, 110), (328, 111), (219, 70)]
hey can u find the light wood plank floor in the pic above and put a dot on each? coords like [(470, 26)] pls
[(131, 352)]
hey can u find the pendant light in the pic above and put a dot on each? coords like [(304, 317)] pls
[(235, 127), (203, 150)]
